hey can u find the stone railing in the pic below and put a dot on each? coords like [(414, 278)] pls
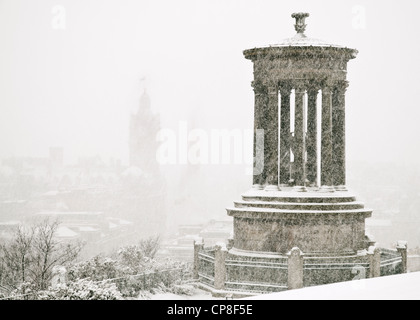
[(216, 268), (204, 264), (256, 275)]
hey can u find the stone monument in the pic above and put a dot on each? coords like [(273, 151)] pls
[(298, 225)]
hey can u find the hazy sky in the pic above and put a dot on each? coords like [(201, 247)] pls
[(70, 69)]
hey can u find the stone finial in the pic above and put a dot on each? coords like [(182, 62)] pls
[(402, 244), (402, 249), (300, 21)]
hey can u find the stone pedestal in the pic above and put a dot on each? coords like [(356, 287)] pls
[(219, 266), (295, 269), (278, 221)]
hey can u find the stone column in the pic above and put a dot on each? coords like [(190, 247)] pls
[(285, 134), (299, 146), (220, 266), (338, 134), (311, 150), (271, 138), (260, 96), (295, 269), (402, 249), (198, 246), (326, 140), (374, 262)]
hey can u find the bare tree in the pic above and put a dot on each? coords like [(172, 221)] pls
[(32, 253), (16, 258), (150, 246), (49, 252)]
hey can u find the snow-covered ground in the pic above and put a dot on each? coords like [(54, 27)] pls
[(396, 287), (197, 295)]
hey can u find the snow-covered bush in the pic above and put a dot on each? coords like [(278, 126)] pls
[(133, 270), (131, 257), (135, 256), (98, 268), (82, 289), (183, 289)]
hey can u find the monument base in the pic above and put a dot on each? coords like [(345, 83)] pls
[(326, 232)]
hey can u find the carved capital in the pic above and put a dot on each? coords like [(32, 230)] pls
[(300, 85), (259, 87), (285, 88), (341, 86), (313, 87), (327, 86)]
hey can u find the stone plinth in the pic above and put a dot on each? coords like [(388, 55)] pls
[(315, 222)]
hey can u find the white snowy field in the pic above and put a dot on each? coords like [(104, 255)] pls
[(396, 287)]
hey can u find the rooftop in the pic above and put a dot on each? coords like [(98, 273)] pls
[(300, 40)]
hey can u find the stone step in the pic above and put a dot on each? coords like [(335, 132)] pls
[(300, 206), (298, 199), (272, 213)]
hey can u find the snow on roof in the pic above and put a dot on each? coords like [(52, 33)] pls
[(112, 225), (114, 222), (65, 232), (122, 221), (13, 201), (88, 229), (302, 41), (395, 287)]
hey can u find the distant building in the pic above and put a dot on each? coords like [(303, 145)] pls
[(99, 232), (107, 205), (143, 185), (7, 229), (179, 246), (144, 126)]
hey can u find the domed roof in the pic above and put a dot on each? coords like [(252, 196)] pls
[(301, 41)]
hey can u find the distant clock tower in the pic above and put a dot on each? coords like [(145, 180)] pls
[(144, 126)]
